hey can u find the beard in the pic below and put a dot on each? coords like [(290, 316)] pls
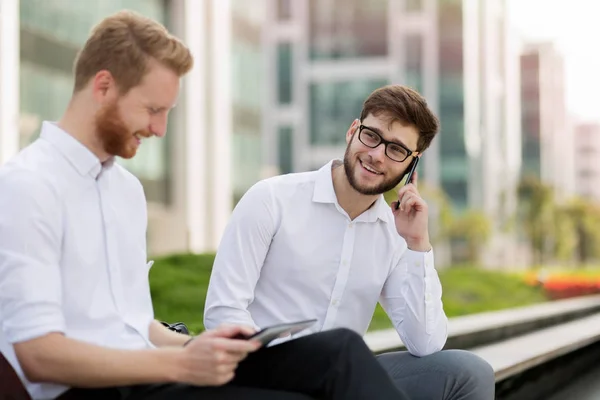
[(351, 163), (115, 137)]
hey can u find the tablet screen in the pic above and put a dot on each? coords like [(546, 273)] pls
[(271, 333)]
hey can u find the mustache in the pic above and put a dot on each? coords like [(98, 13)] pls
[(143, 133)]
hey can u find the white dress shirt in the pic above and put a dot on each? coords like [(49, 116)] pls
[(290, 252), (72, 250)]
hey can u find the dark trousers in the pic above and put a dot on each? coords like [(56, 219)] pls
[(334, 365)]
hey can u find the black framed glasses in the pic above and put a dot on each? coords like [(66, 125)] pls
[(394, 151)]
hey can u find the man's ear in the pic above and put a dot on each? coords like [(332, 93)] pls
[(352, 130), (103, 86)]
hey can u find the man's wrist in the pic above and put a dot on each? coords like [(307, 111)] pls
[(421, 247), (174, 365)]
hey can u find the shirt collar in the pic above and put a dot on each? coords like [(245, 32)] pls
[(325, 193), (80, 157)]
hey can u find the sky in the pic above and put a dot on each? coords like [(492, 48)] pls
[(574, 25)]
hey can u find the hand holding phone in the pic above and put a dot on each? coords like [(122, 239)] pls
[(409, 177)]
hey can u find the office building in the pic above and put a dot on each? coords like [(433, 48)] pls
[(587, 156), (548, 152), (328, 55), (211, 148)]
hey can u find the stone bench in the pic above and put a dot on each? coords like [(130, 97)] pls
[(484, 328)]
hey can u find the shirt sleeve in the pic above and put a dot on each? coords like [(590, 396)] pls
[(30, 242), (240, 258), (412, 298)]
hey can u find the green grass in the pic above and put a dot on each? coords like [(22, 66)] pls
[(179, 284), (469, 290)]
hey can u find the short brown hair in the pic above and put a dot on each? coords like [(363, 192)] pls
[(122, 44), (402, 104)]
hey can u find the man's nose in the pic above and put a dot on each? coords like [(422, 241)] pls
[(159, 125), (378, 153)]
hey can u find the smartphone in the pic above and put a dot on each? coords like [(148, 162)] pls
[(412, 167), (267, 335)]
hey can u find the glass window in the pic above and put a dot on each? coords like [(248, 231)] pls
[(284, 73), (249, 12), (454, 169), (52, 31), (284, 10), (246, 74), (70, 21), (414, 62), (452, 135), (246, 90), (333, 107), (414, 5), (450, 37), (457, 191), (286, 149), (347, 28), (44, 94), (247, 161)]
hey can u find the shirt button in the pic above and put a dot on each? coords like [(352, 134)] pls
[(335, 302), (350, 225), (344, 263)]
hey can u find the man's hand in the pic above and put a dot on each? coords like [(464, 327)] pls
[(411, 217), (211, 358)]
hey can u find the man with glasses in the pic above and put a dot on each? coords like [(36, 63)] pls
[(325, 245)]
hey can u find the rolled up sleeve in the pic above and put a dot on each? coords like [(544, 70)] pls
[(30, 243)]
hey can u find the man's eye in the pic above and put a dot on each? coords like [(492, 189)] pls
[(152, 110)]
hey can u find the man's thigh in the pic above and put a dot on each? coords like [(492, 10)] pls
[(227, 392), (180, 392), (447, 374)]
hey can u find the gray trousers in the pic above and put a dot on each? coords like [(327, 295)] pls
[(445, 375)]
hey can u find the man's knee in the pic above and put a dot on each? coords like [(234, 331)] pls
[(466, 366)]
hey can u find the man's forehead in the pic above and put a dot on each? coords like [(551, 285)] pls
[(393, 128), (387, 123)]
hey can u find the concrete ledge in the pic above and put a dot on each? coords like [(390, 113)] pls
[(485, 328), (516, 355)]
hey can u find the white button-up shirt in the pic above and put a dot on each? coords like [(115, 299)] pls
[(72, 250), (290, 252)]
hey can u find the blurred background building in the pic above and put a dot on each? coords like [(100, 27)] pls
[(548, 141), (587, 147), (211, 153), (329, 55), (277, 83)]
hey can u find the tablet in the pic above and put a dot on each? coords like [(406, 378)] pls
[(266, 335)]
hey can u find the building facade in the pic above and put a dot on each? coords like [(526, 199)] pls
[(328, 55), (587, 155), (462, 55), (191, 175), (548, 140)]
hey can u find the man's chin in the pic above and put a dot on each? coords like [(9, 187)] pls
[(126, 154), (367, 190)]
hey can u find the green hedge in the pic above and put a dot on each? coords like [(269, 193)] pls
[(179, 284)]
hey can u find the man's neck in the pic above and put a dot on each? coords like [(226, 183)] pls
[(348, 198), (76, 124)]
